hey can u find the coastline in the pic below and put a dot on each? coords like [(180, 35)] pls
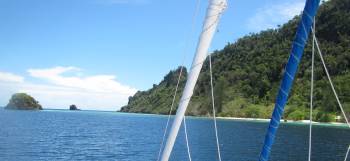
[(285, 121)]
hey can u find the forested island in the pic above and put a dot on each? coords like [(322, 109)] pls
[(247, 74), (23, 101)]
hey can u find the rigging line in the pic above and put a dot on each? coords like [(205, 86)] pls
[(331, 83), (330, 80), (186, 138), (186, 49), (185, 126), (212, 92), (213, 103), (178, 82), (347, 153), (311, 90), (169, 115)]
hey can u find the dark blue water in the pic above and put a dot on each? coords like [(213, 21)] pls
[(87, 135)]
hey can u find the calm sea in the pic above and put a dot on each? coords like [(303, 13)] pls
[(89, 135)]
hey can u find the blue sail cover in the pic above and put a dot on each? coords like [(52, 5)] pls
[(296, 54)]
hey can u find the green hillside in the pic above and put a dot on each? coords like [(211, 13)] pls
[(247, 73)]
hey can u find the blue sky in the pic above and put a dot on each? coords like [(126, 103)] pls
[(95, 53)]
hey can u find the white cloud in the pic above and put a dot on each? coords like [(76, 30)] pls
[(97, 83), (272, 15), (98, 92), (9, 77)]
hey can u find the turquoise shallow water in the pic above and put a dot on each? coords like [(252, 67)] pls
[(90, 135)]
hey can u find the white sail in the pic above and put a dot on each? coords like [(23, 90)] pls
[(215, 8)]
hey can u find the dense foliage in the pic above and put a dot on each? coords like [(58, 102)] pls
[(248, 72), (159, 98), (23, 101)]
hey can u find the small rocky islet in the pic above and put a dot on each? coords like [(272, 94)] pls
[(23, 101), (73, 108)]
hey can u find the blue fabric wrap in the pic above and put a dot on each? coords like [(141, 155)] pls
[(296, 54)]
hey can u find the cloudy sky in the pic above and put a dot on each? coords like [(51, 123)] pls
[(97, 53)]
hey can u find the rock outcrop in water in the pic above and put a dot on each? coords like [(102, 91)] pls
[(23, 101), (73, 107)]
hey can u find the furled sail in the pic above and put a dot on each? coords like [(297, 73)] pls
[(298, 46), (215, 9)]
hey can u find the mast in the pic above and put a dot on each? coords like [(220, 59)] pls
[(296, 54), (214, 11)]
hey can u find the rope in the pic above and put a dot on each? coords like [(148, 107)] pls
[(331, 83), (330, 80), (186, 138), (177, 86), (347, 153), (213, 103), (223, 7), (169, 115), (311, 91)]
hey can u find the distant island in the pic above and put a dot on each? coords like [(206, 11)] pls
[(248, 72), (23, 101), (73, 107)]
